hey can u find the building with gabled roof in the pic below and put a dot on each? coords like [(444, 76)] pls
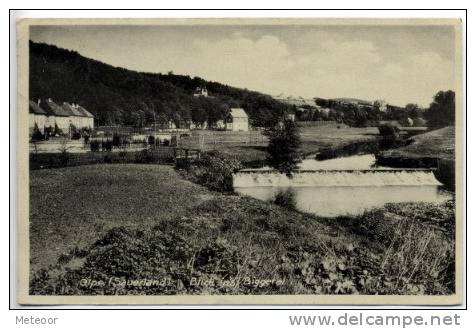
[(37, 117), (237, 120), (87, 120), (47, 115), (57, 116), (75, 116)]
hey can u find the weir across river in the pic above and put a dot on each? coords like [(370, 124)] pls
[(346, 177), (342, 186)]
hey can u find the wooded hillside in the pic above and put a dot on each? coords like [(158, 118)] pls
[(119, 96)]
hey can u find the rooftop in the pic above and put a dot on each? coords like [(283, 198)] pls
[(51, 108), (238, 113), (36, 109)]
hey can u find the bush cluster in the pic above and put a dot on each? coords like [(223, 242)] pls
[(105, 145), (215, 171), (147, 156), (229, 238), (286, 198)]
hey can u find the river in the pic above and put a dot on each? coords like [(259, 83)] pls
[(343, 186)]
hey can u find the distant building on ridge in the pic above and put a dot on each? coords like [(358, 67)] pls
[(200, 92)]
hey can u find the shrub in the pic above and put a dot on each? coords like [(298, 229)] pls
[(417, 241), (146, 156), (37, 135), (106, 145), (390, 136), (122, 153), (286, 199), (116, 140), (57, 131), (151, 140), (94, 145), (215, 172), (388, 130), (75, 133), (108, 158)]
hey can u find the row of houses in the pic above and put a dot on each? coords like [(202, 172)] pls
[(236, 120), (47, 115)]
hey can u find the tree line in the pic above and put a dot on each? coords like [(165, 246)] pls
[(117, 96), (440, 113)]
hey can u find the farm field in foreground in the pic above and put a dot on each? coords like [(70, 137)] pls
[(145, 221), (75, 206)]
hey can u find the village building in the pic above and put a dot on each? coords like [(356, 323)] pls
[(220, 124), (200, 92), (57, 116), (37, 118), (291, 116), (75, 117), (48, 115), (172, 125), (87, 120), (200, 125), (237, 120)]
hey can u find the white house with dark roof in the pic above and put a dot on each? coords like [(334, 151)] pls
[(75, 117), (48, 115), (37, 117), (56, 115), (237, 120), (86, 119)]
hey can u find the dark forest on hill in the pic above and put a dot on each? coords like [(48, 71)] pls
[(117, 96)]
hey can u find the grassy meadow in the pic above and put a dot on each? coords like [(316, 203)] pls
[(250, 147), (143, 229), (74, 206), (438, 143)]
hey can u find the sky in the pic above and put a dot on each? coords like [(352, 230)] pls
[(398, 64)]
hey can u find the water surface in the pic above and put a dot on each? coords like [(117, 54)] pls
[(343, 186)]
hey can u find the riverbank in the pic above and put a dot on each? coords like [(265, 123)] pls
[(434, 149), (136, 223)]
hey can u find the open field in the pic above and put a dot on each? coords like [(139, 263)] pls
[(134, 222), (251, 146)]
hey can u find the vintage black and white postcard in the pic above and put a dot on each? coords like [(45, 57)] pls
[(240, 161)]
